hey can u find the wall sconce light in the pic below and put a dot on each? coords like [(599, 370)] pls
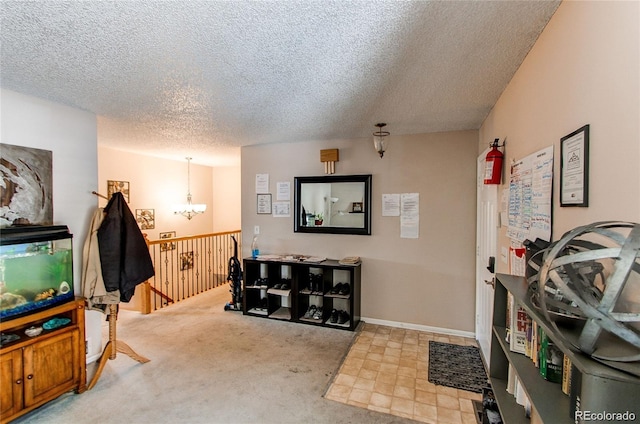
[(329, 157), (189, 210), (380, 139)]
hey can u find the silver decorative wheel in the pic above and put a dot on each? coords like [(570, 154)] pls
[(589, 281)]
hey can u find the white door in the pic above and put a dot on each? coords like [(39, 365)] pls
[(486, 233)]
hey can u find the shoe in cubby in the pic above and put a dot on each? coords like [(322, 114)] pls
[(343, 317), (261, 282), (317, 315), (310, 312), (319, 283), (261, 308)]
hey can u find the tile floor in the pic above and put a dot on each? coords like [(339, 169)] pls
[(386, 371)]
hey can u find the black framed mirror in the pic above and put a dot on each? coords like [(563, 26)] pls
[(333, 204)]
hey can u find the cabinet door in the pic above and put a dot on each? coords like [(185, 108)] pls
[(50, 367), (11, 383)]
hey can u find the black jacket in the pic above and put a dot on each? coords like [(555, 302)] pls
[(124, 255)]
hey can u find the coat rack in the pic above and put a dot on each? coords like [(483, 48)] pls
[(113, 345)]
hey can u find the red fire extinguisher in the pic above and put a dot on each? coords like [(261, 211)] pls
[(493, 164)]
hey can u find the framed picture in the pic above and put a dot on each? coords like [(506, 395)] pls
[(118, 186), (146, 218), (264, 203), (357, 207), (186, 261), (574, 168), (169, 245), (27, 185)]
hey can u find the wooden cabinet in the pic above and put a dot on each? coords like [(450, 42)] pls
[(325, 293), (11, 394), (35, 370), (596, 388)]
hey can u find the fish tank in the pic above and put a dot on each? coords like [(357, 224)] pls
[(36, 269)]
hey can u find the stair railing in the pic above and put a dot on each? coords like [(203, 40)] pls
[(186, 266)]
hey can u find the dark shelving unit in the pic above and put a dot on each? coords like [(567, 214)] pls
[(602, 388), (263, 298)]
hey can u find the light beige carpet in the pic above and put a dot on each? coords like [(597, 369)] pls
[(211, 366)]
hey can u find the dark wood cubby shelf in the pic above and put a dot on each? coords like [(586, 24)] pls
[(261, 298)]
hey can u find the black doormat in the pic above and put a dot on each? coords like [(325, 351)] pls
[(456, 366)]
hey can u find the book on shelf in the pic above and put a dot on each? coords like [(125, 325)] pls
[(507, 323), (566, 375), (528, 346), (535, 344), (515, 388), (574, 392), (520, 394), (519, 319), (551, 360), (527, 408), (511, 380)]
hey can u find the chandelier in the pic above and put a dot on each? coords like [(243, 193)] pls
[(189, 210)]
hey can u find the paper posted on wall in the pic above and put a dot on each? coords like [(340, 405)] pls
[(409, 215)]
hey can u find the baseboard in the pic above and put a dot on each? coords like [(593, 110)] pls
[(93, 358), (418, 327)]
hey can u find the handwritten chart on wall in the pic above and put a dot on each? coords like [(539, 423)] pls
[(530, 189)]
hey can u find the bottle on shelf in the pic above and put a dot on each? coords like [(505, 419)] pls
[(255, 251)]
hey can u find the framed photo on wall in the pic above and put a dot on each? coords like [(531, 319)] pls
[(574, 168), (264, 204)]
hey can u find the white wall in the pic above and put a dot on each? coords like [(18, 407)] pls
[(584, 69), (158, 184), (226, 204), (71, 136), (426, 282)]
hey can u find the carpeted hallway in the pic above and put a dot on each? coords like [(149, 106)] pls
[(212, 366)]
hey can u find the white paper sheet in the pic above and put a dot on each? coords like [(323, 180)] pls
[(281, 209), (409, 215), (283, 190), (262, 183), (391, 204)]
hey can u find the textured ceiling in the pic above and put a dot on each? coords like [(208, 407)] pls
[(201, 78)]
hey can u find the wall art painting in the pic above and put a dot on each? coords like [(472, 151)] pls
[(186, 261), (118, 186), (26, 193), (168, 245), (146, 218)]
